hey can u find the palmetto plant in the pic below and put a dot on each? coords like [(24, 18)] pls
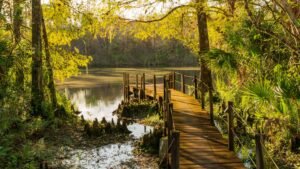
[(222, 62)]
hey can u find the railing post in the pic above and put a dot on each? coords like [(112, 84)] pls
[(169, 121), (182, 84), (174, 81), (164, 86), (160, 103), (124, 87), (211, 107), (165, 116), (141, 82), (128, 86), (196, 87), (259, 152), (202, 99), (170, 116), (137, 81), (154, 86), (144, 82), (175, 150), (230, 127)]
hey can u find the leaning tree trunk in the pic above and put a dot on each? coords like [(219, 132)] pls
[(17, 21), (37, 74), (51, 84), (205, 73)]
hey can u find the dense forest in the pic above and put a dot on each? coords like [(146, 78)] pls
[(125, 51), (247, 51)]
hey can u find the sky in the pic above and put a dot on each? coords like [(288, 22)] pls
[(133, 13)]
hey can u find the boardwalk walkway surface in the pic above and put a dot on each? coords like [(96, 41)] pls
[(201, 144)]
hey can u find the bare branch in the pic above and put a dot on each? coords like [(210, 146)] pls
[(158, 19)]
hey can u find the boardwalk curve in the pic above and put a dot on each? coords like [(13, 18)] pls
[(201, 144)]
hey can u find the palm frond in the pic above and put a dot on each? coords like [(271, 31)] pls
[(261, 92), (222, 61)]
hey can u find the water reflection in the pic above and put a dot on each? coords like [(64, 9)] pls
[(96, 102), (110, 156)]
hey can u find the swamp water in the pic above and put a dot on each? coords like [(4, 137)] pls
[(97, 95)]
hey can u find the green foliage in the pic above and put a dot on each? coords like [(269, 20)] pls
[(221, 61), (150, 142)]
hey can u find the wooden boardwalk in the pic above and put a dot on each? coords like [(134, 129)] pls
[(201, 145)]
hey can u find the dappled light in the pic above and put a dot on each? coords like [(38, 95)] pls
[(112, 84)]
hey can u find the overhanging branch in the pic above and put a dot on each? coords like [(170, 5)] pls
[(158, 19)]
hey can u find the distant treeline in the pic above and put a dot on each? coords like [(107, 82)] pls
[(125, 51)]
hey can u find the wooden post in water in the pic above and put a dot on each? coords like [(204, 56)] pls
[(175, 150), (196, 86), (211, 107), (259, 152), (230, 127), (154, 87), (182, 83)]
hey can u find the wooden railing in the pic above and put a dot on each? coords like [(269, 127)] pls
[(166, 107), (171, 156), (262, 155), (198, 86)]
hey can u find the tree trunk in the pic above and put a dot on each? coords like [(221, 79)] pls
[(17, 21), (205, 73), (37, 74), (51, 84), (1, 5)]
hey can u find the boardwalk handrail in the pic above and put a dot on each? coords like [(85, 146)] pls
[(167, 112), (260, 148), (166, 107)]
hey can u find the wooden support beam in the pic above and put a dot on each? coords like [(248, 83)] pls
[(230, 127), (196, 86), (259, 151)]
